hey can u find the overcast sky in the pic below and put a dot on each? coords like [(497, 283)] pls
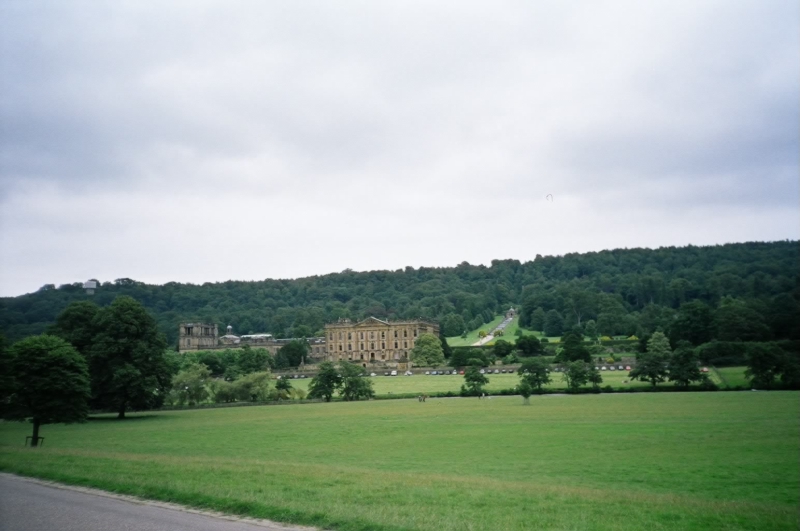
[(205, 141)]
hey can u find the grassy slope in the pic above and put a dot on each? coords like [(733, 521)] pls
[(508, 334), (608, 462), (472, 337)]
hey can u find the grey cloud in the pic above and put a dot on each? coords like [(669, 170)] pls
[(239, 116)]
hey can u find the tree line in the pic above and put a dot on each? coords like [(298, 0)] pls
[(622, 292), (115, 359)]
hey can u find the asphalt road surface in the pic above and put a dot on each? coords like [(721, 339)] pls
[(31, 505)]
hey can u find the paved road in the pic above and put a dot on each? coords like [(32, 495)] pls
[(31, 505)]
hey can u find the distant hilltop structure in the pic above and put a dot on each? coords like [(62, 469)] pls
[(90, 286), (372, 343)]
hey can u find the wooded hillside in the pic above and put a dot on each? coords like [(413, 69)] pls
[(625, 291)]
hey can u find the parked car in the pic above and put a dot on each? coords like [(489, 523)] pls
[(394, 373), (373, 374), (427, 372), (460, 372), (409, 373)]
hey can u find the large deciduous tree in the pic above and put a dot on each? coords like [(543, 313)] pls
[(427, 351), (291, 354), (126, 359), (76, 325), (529, 346), (473, 381), (191, 384), (576, 374), (553, 324), (765, 362), (573, 348), (536, 372), (325, 383), (651, 366), (355, 385), (502, 348), (49, 383), (683, 366)]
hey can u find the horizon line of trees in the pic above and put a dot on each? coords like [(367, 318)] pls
[(624, 291)]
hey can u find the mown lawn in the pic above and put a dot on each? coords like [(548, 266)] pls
[(665, 461), (420, 383)]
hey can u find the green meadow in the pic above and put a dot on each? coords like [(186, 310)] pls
[(420, 383), (655, 461)]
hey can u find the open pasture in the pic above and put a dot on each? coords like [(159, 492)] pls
[(420, 383), (596, 462)]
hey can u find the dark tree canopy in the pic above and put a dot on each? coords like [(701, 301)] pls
[(651, 366), (535, 372), (529, 346), (126, 359), (291, 354), (683, 366), (573, 349), (694, 323), (49, 383), (625, 291), (354, 382), (325, 383)]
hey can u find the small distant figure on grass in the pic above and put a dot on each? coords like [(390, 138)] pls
[(422, 398)]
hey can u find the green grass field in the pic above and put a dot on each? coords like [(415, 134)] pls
[(666, 461), (731, 377), (420, 383)]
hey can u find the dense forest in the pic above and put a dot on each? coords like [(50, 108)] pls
[(622, 291)]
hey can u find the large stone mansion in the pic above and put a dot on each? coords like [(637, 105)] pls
[(373, 342), (370, 343)]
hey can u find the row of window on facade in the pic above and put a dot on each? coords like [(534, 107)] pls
[(372, 335), (372, 346), (204, 331), (372, 356)]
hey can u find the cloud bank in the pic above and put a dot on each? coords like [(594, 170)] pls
[(206, 141)]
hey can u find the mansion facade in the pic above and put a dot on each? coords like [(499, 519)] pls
[(370, 343), (375, 343)]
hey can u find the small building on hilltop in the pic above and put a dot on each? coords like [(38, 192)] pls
[(374, 342)]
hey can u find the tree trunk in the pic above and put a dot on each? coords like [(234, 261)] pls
[(121, 414), (35, 438)]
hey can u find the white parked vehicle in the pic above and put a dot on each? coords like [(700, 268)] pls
[(393, 373)]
